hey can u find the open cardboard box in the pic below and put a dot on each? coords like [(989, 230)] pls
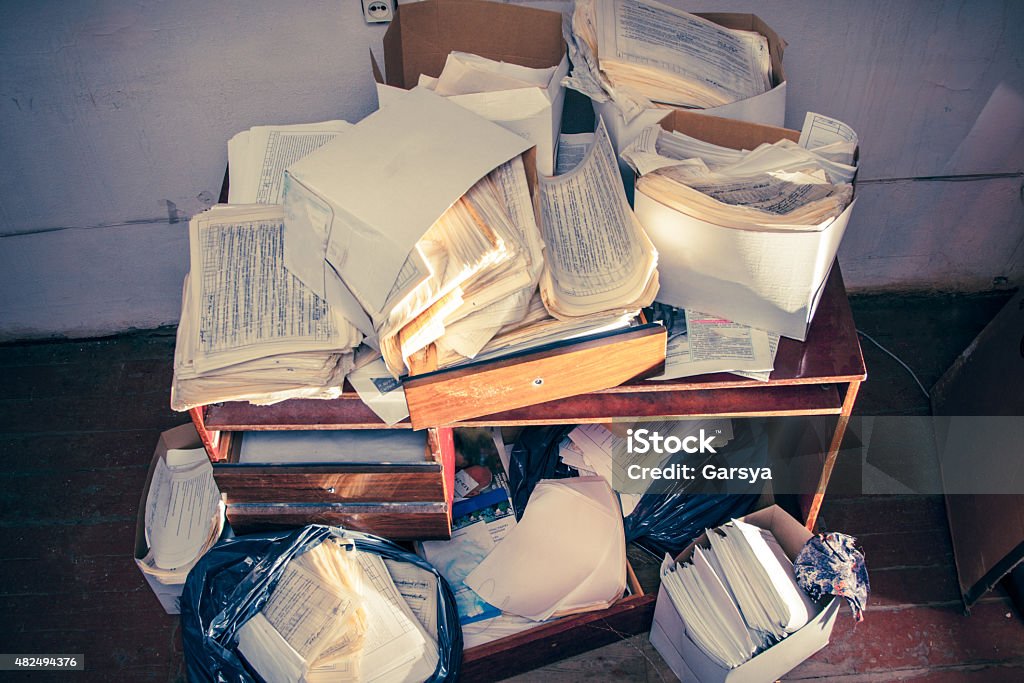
[(768, 108), (771, 280), (689, 663), (422, 35), (167, 591)]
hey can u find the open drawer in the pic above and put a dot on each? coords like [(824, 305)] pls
[(551, 641), (289, 479)]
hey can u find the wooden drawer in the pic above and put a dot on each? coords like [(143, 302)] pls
[(563, 638), (396, 521), (397, 500)]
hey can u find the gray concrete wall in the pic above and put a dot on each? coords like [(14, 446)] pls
[(114, 118)]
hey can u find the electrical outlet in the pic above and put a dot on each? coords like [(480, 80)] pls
[(378, 11)]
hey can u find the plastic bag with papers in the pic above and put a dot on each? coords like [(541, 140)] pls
[(228, 600)]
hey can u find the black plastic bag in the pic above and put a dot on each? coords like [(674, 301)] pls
[(234, 579), (534, 457), (666, 522)]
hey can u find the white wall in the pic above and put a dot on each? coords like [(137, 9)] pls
[(114, 118)]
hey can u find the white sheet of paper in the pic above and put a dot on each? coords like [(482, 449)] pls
[(380, 391), (341, 446), (572, 148), (574, 525), (419, 588), (714, 344)]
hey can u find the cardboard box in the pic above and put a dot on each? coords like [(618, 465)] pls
[(689, 663), (984, 551), (768, 108), (768, 280), (423, 34), (167, 590)]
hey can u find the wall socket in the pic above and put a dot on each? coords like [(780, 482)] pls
[(378, 11)]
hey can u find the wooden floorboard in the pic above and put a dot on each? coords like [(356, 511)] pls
[(79, 420)]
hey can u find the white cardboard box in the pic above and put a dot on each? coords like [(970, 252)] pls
[(167, 591), (771, 280), (689, 663), (768, 108)]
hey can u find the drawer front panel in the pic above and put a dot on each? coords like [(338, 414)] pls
[(330, 483), (396, 521)]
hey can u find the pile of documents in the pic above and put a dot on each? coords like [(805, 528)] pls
[(437, 264), (184, 515), (249, 328), (640, 52), (777, 186), (699, 343), (336, 614), (739, 596), (258, 157), (597, 450)]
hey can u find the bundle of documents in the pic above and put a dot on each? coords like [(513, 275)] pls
[(250, 330), (738, 597), (258, 157), (640, 52), (184, 514), (596, 450), (783, 185), (335, 614), (442, 262), (485, 258), (536, 329), (699, 343), (599, 261)]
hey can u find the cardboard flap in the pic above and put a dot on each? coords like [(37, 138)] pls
[(791, 534), (725, 132), (422, 35), (378, 77)]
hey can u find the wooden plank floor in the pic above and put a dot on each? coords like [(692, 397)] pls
[(78, 422)]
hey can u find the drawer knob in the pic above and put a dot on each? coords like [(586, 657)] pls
[(539, 381), (330, 489)]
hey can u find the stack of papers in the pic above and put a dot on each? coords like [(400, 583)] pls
[(739, 596), (184, 514), (699, 343), (258, 157), (779, 186), (249, 329), (640, 52), (595, 450), (336, 614), (435, 265)]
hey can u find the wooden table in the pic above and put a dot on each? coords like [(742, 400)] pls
[(818, 377)]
